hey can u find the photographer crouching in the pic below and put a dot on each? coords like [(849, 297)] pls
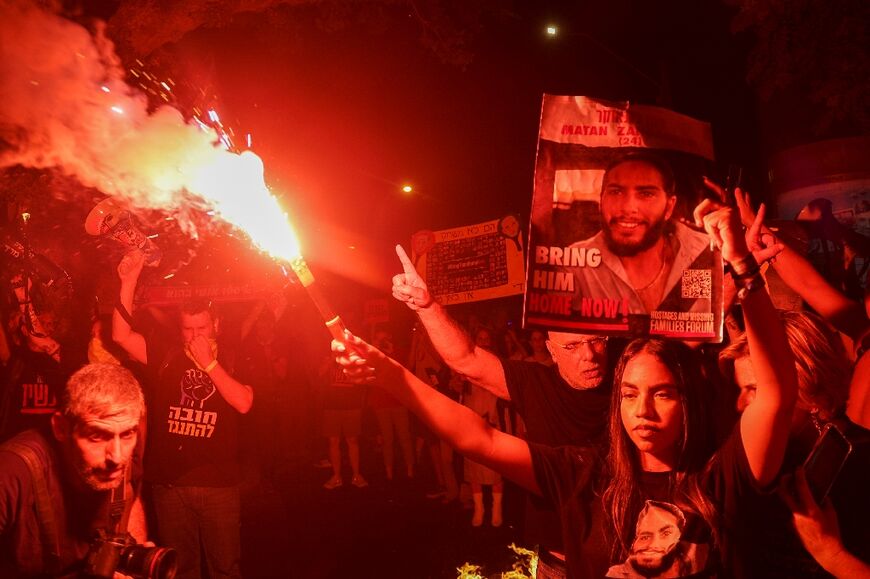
[(67, 496)]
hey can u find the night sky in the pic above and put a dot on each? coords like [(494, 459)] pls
[(346, 105)]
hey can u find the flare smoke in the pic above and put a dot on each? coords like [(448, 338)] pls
[(65, 105)]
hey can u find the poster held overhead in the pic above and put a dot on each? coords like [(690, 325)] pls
[(612, 247)]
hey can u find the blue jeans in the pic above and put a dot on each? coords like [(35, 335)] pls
[(190, 518)]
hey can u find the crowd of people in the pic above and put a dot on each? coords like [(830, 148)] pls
[(639, 457)]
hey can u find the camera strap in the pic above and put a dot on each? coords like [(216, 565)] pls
[(44, 510), (120, 506)]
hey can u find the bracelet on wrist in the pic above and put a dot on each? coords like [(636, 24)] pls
[(211, 366), (748, 275), (750, 285), (745, 266)]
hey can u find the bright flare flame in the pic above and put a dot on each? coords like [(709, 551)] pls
[(233, 186)]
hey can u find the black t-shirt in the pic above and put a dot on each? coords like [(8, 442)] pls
[(32, 390), (555, 414), (671, 534), (770, 548), (192, 431)]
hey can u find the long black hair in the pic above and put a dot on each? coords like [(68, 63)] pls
[(622, 496)]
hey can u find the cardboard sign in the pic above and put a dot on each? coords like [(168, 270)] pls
[(471, 263)]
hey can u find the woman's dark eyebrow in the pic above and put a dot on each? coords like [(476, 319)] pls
[(654, 387)]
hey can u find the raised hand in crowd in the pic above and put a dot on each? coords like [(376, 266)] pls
[(449, 339), (129, 269), (798, 273), (130, 266), (754, 224), (409, 286), (846, 315), (819, 530), (765, 427)]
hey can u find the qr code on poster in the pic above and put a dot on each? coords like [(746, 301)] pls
[(697, 283)]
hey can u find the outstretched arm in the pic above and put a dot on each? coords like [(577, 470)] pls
[(452, 422), (449, 339), (846, 315), (122, 332), (764, 425)]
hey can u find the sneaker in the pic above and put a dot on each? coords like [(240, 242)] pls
[(436, 493), (359, 482), (333, 483)]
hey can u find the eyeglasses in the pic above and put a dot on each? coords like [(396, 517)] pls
[(596, 343)]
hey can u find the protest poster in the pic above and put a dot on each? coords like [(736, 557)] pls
[(471, 263), (625, 260)]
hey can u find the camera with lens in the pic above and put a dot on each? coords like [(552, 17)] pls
[(120, 552)]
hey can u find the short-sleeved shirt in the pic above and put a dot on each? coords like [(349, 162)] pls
[(671, 525), (555, 414), (768, 546), (192, 431)]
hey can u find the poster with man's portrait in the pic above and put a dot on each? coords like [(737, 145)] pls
[(613, 248)]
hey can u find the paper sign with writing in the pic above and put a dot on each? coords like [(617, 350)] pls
[(471, 263)]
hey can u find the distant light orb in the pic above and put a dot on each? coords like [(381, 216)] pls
[(551, 30), (407, 189)]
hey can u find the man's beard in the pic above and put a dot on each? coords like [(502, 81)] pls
[(90, 476), (653, 234), (95, 483), (651, 570)]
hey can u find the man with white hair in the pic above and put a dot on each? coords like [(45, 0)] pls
[(564, 404), (56, 485)]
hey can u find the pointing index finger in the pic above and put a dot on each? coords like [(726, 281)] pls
[(407, 265)]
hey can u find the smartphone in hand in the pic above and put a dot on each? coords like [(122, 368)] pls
[(825, 461)]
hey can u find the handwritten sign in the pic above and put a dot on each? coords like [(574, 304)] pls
[(471, 263)]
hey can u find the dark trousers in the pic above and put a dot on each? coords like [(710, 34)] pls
[(195, 520)]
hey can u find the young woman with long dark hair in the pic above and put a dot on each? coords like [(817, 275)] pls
[(667, 495)]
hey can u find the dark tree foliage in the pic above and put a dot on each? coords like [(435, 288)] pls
[(141, 27), (812, 53)]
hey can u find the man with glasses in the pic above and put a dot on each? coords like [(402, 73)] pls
[(562, 404)]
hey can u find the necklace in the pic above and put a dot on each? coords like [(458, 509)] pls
[(657, 276)]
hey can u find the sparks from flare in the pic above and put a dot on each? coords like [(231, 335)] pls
[(235, 188)]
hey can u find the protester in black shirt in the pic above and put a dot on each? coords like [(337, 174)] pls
[(566, 403), (768, 547), (191, 458), (659, 436)]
